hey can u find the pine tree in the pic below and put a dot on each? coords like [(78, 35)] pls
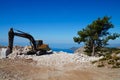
[(96, 35)]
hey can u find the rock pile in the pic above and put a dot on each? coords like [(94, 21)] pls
[(55, 59), (17, 50), (3, 53)]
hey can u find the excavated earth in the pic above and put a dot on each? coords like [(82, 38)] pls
[(57, 66)]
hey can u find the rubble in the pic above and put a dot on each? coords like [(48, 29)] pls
[(57, 59), (3, 53), (118, 55)]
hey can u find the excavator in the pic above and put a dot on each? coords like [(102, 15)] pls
[(37, 47)]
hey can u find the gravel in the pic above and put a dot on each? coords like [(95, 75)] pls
[(56, 59)]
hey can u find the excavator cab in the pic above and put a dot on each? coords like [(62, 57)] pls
[(40, 45)]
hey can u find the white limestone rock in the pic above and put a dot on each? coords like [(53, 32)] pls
[(3, 53)]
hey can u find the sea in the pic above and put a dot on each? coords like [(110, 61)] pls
[(64, 50)]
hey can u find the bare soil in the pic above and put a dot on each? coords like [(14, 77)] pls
[(26, 69)]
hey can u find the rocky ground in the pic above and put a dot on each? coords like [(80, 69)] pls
[(57, 66)]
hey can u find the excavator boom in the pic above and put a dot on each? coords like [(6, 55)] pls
[(11, 35)]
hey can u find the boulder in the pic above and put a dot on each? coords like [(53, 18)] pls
[(118, 55), (3, 53), (26, 49)]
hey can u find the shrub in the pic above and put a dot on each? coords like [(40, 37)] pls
[(117, 51), (100, 65), (103, 59), (115, 58), (111, 62), (93, 62)]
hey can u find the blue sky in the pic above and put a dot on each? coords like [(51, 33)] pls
[(56, 22)]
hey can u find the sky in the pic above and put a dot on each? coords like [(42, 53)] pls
[(55, 22)]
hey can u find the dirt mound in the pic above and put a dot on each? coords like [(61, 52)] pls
[(57, 66), (21, 69)]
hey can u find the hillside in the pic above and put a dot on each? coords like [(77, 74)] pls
[(56, 66)]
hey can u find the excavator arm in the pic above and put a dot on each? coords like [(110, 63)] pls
[(11, 35)]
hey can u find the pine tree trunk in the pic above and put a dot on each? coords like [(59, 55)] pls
[(93, 50)]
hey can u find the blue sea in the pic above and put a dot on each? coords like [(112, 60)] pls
[(64, 50)]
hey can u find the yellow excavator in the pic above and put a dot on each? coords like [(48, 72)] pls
[(37, 47)]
